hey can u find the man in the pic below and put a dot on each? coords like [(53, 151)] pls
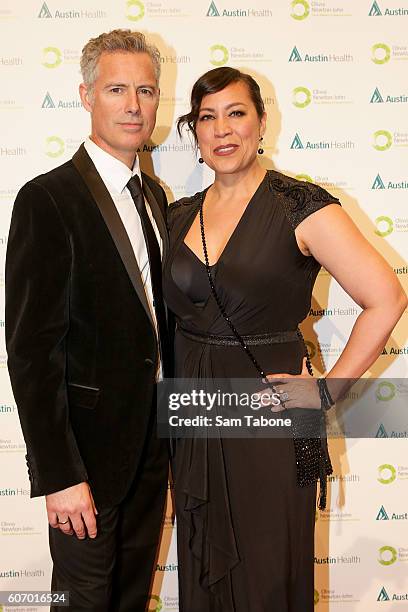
[(86, 336)]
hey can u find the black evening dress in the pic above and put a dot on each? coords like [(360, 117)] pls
[(245, 529)]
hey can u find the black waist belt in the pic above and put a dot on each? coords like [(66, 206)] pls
[(251, 340)]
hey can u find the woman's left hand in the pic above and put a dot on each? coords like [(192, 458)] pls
[(295, 390)]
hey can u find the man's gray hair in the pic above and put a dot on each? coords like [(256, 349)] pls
[(110, 42)]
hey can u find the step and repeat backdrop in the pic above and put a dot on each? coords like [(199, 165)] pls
[(334, 77)]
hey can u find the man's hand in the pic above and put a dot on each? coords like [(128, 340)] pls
[(72, 511)]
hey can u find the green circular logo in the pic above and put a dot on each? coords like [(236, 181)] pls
[(381, 53), (55, 146), (385, 222), (52, 57), (301, 97), (304, 177), (316, 597), (385, 391), (382, 140), (219, 55), (311, 348), (386, 473), (157, 603), (135, 10), (387, 555), (301, 9)]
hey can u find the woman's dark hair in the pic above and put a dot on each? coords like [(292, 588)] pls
[(211, 82)]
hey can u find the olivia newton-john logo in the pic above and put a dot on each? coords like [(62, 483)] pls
[(53, 57), (11, 446), (304, 9), (135, 10), (388, 555), (327, 183), (299, 143), (384, 139), (385, 225), (383, 53), (55, 146), (327, 596), (218, 10), (377, 11), (298, 56), (13, 528), (220, 55), (302, 97), (388, 473), (155, 604), (71, 13)]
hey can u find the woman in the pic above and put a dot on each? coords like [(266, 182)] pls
[(245, 508)]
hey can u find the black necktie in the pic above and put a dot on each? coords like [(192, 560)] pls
[(153, 251)]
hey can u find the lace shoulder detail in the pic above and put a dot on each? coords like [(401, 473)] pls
[(177, 208), (300, 198)]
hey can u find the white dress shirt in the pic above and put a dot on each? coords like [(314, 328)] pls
[(115, 174)]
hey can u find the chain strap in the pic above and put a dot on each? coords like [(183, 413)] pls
[(221, 308)]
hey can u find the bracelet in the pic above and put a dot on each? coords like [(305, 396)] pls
[(326, 400)]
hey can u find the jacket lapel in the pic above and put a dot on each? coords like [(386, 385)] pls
[(100, 194)]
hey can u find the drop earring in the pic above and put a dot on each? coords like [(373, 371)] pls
[(200, 160), (260, 149)]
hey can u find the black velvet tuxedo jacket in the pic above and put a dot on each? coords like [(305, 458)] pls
[(82, 348)]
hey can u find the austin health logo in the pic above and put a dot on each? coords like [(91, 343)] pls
[(135, 10), (383, 595), (48, 102), (382, 515), (295, 56), (375, 10), (300, 10), (212, 10), (296, 142), (387, 555), (378, 183), (376, 98), (381, 432), (44, 12)]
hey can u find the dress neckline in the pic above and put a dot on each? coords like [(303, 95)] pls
[(235, 231)]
